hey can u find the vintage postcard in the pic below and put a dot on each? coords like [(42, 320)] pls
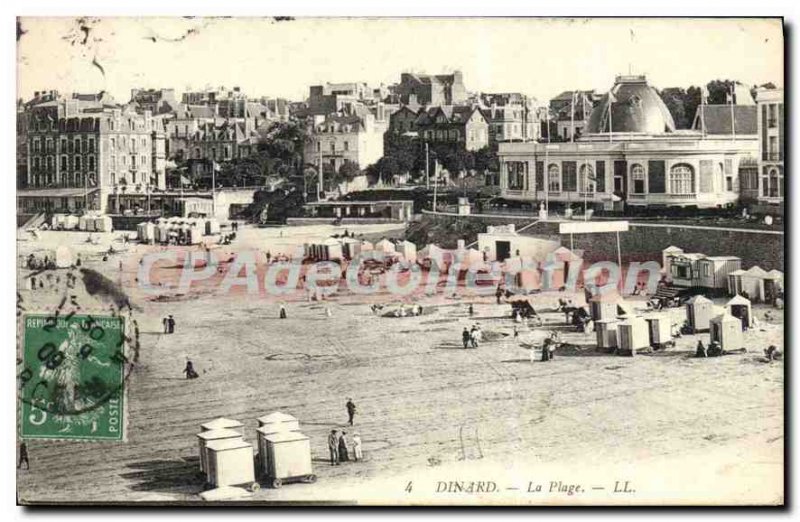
[(400, 261)]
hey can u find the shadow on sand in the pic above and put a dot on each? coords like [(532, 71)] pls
[(167, 476)]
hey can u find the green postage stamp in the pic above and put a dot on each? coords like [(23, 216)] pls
[(71, 377)]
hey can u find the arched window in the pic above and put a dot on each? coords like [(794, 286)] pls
[(586, 181), (77, 163), (681, 179), (637, 179), (553, 178)]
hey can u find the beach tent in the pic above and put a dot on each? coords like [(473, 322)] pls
[(408, 250), (71, 222), (727, 331), (103, 224), (385, 246), (146, 232), (699, 311), (740, 308)]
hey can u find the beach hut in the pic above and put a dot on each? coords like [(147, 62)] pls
[(753, 283), (666, 257), (740, 308), (57, 221), (63, 257), (660, 328), (146, 232), (735, 282), (204, 437), (222, 423), (632, 334), (212, 227), (90, 223), (408, 250), (288, 458), (699, 311), (195, 234), (727, 331), (71, 222), (283, 420), (83, 223), (606, 330), (385, 246), (230, 463), (350, 246), (103, 224), (773, 285)]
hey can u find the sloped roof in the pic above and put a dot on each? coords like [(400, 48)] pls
[(757, 271), (699, 299), (738, 300), (717, 119)]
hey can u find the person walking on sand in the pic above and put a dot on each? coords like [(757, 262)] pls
[(357, 454), (171, 325), (343, 456), (333, 447), (189, 370), (465, 337), (23, 456), (165, 322), (351, 410), (283, 312)]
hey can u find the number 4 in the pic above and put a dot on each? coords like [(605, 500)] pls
[(409, 487)]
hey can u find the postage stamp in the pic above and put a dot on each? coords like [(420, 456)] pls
[(72, 375)]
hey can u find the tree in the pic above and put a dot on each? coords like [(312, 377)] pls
[(349, 170)]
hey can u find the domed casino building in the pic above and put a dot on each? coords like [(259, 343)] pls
[(632, 155)]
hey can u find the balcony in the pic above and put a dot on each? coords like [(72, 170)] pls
[(772, 123), (770, 156)]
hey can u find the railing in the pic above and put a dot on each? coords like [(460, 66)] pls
[(683, 196), (772, 123), (770, 156), (637, 196)]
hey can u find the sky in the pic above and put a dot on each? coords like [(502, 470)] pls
[(536, 56)]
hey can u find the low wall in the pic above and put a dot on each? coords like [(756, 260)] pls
[(295, 221)]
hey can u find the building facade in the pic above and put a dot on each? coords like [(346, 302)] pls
[(339, 138), (83, 149), (462, 125), (428, 89), (511, 117), (771, 146), (630, 155)]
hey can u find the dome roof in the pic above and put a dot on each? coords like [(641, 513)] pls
[(636, 107)]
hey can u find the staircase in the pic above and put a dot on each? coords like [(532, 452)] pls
[(34, 222)]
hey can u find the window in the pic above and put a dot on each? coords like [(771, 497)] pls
[(91, 144), (49, 162), (227, 152), (773, 183), (36, 146), (516, 175), (346, 145), (586, 181), (63, 145), (143, 160), (569, 176), (333, 147), (49, 146), (77, 145), (113, 178), (133, 162), (681, 179), (113, 144), (64, 162), (637, 179), (133, 178), (113, 162), (91, 163), (134, 148), (36, 163), (77, 163), (553, 178), (706, 270)]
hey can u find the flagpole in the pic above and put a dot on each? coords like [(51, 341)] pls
[(546, 173), (733, 115), (572, 118), (214, 188)]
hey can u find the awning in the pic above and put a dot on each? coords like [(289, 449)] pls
[(54, 193)]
